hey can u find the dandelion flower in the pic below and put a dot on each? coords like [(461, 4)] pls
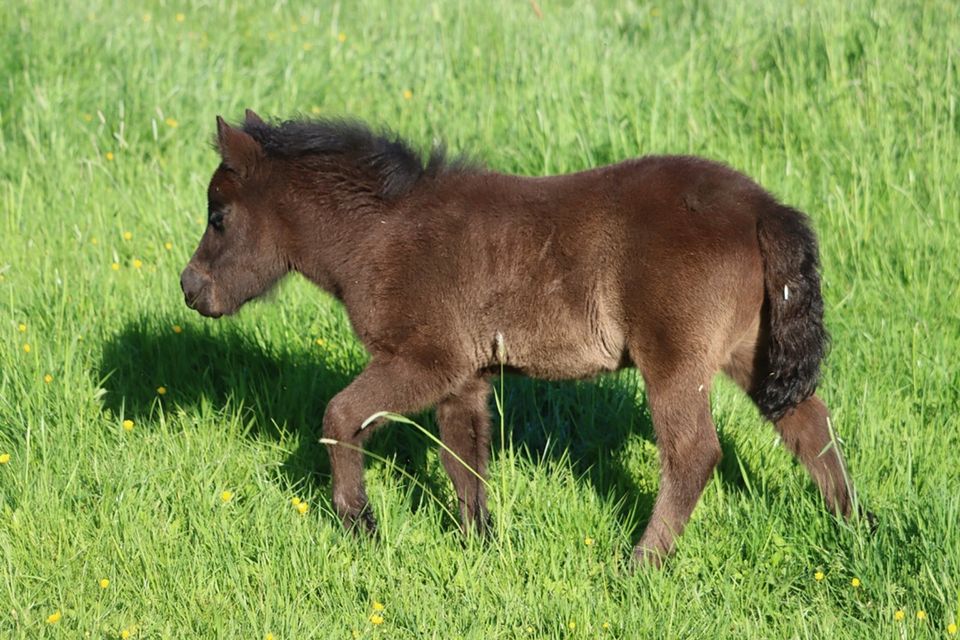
[(128, 235), (269, 636), (407, 94), (109, 155), (376, 619), (855, 583), (4, 458), (342, 37), (128, 425), (321, 342), (818, 576), (226, 496), (294, 500), (161, 391), (48, 378), (104, 583), (54, 617), (115, 266), (147, 17), (529, 629), (315, 110), (177, 328), (605, 625), (307, 46), (302, 508), (94, 241), (378, 606), (137, 263), (952, 628), (26, 347), (180, 17), (572, 625), (899, 615), (22, 328), (173, 124), (126, 633), (921, 615), (588, 541), (168, 246)]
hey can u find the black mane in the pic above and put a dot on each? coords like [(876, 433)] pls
[(391, 159)]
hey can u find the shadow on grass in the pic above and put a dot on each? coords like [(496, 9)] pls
[(284, 390)]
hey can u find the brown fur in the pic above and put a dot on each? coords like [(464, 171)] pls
[(674, 265)]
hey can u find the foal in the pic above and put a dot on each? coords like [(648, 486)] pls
[(677, 266)]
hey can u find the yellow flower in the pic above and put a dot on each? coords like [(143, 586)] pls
[(54, 617), (173, 124), (226, 496), (26, 347), (529, 629), (899, 614), (146, 17), (952, 628), (87, 117), (168, 246), (294, 28), (115, 266), (162, 390), (855, 583), (269, 637), (48, 378), (94, 241), (572, 625), (177, 328), (104, 583), (180, 17), (22, 328), (307, 46), (376, 619), (4, 458), (294, 500), (377, 606), (321, 342), (315, 110), (407, 94), (126, 633), (342, 37), (921, 615), (302, 507), (605, 625), (128, 235), (128, 425), (818, 576), (588, 541), (137, 263), (109, 155)]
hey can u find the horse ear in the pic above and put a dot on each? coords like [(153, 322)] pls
[(238, 149), (250, 117)]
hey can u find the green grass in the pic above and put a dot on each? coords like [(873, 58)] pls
[(848, 112)]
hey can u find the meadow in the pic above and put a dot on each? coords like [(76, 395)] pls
[(161, 475)]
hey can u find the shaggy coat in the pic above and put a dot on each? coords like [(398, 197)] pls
[(678, 266)]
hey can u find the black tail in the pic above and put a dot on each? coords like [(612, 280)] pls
[(796, 338)]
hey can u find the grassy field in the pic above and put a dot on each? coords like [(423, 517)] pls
[(150, 459)]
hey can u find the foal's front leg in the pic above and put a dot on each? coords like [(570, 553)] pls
[(464, 420), (395, 384)]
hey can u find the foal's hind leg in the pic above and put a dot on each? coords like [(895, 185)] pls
[(399, 385), (806, 433), (464, 420), (689, 450)]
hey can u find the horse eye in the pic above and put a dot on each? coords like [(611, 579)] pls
[(216, 220)]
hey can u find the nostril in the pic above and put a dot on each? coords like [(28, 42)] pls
[(191, 282)]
